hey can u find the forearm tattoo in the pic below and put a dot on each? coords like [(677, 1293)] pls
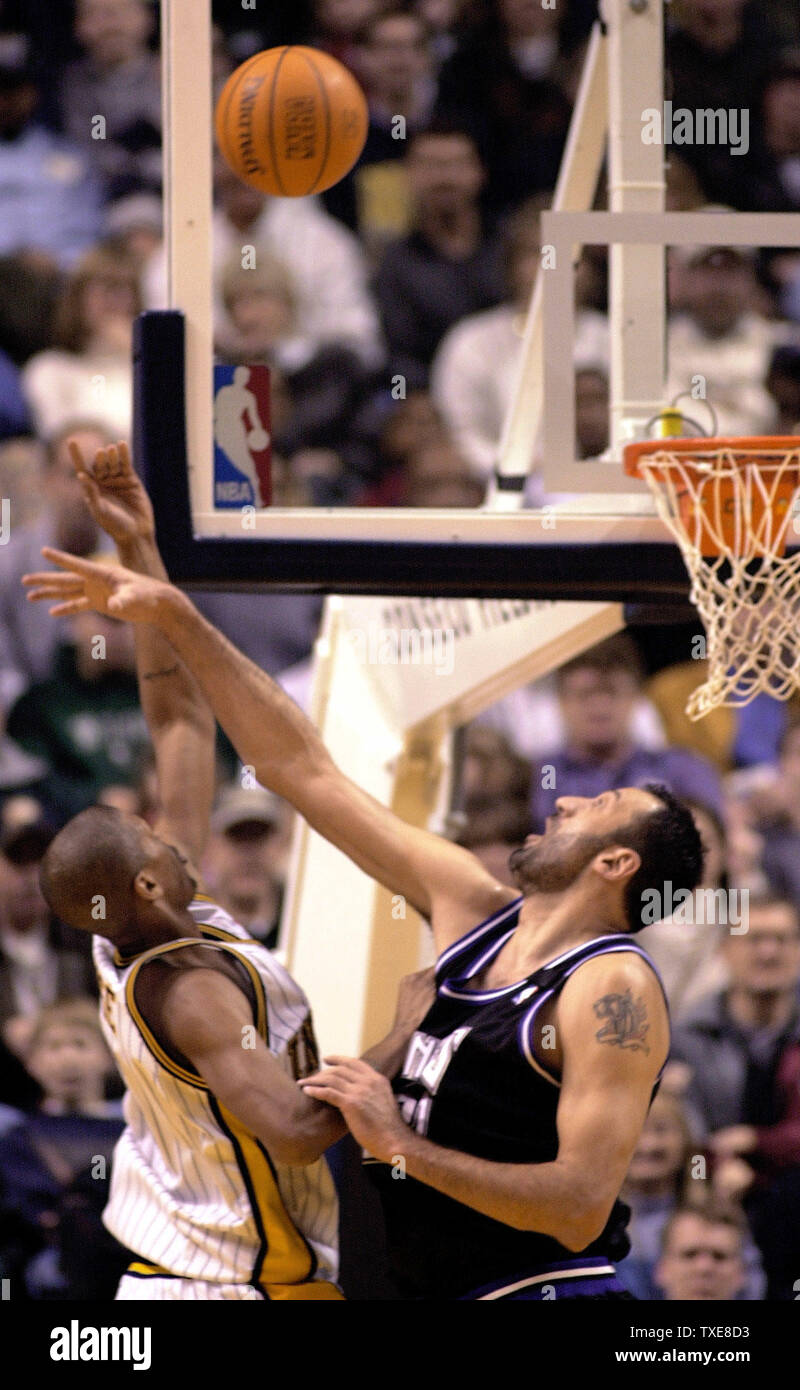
[(625, 1021), (154, 675)]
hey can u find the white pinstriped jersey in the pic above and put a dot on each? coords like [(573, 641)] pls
[(192, 1191)]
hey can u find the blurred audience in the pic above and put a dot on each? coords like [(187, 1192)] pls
[(504, 82), (50, 195), (719, 54), (88, 374), (84, 719), (394, 61), (324, 260), (56, 1162), (119, 77), (687, 946), (41, 961), (324, 385), (702, 1255), (22, 462), (768, 801), (437, 475), (742, 1046), (719, 342), (665, 1173), (783, 384), (473, 375), (245, 860), (597, 692), (28, 635), (449, 264)]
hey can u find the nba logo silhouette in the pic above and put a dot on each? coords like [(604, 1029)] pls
[(242, 452)]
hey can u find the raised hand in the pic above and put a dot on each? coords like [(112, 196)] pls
[(114, 493), (86, 586)]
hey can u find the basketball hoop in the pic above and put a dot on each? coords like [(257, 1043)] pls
[(732, 506)]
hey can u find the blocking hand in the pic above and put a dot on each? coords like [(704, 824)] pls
[(86, 585), (114, 494)]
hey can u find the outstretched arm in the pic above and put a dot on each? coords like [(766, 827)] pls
[(447, 884), (606, 1087), (178, 716)]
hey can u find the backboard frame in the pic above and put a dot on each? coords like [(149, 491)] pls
[(532, 554)]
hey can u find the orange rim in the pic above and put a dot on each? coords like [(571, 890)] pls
[(745, 446)]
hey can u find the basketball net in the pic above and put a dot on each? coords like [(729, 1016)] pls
[(732, 506)]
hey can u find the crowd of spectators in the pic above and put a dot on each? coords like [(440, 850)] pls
[(390, 312)]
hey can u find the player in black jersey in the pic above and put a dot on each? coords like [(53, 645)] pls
[(525, 1087)]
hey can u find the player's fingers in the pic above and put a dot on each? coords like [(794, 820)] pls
[(67, 610), (78, 461), (326, 1093), (46, 595), (72, 562), (125, 457), (352, 1067), (53, 582)]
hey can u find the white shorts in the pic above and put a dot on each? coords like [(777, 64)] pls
[(158, 1287)]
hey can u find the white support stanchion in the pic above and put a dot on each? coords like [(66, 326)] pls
[(574, 192), (188, 146), (637, 308)]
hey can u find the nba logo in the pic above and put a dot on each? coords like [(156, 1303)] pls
[(242, 452)]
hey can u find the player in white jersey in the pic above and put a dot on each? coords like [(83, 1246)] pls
[(219, 1188)]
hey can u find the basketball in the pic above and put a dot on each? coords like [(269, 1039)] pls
[(291, 121)]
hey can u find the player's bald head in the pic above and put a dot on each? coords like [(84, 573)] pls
[(88, 872)]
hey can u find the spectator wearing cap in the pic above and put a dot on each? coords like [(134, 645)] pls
[(135, 223), (598, 691), (720, 339), (119, 77), (36, 967), (245, 862), (48, 192)]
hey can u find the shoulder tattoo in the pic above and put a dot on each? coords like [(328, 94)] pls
[(625, 1021)]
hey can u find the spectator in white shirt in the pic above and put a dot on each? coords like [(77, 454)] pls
[(88, 375), (324, 260), (719, 343), (474, 370)]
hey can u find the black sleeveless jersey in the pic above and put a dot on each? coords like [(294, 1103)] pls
[(472, 1082)]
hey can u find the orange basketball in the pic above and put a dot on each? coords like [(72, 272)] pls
[(291, 121)]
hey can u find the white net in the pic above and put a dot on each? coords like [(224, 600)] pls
[(734, 513)]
